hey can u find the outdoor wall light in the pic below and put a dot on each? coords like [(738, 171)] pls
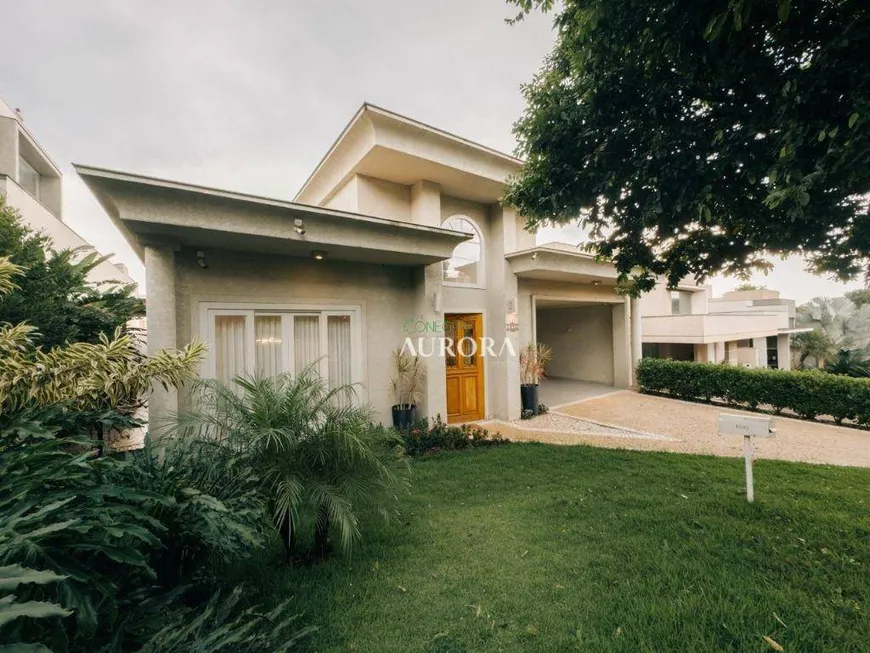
[(318, 254), (596, 282), (299, 226), (200, 259)]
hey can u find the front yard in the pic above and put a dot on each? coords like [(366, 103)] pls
[(532, 547)]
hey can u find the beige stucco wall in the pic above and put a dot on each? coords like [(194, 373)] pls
[(346, 198), (385, 295), (384, 198), (582, 341)]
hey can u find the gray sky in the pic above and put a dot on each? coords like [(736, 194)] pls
[(249, 95)]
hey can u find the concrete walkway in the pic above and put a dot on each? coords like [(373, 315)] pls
[(628, 420), (555, 391)]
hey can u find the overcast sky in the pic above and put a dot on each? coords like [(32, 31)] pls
[(248, 95)]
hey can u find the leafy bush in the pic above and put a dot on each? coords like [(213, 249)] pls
[(125, 543), (221, 628), (423, 437), (54, 295), (320, 457), (807, 393), (99, 554)]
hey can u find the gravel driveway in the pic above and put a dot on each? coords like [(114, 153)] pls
[(628, 420)]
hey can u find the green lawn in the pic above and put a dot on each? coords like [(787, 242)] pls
[(538, 548)]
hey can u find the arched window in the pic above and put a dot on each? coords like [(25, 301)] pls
[(465, 267)]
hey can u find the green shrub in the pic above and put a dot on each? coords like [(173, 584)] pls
[(322, 461), (807, 393), (121, 545), (423, 437)]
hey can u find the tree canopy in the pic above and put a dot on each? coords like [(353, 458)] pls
[(695, 138), (53, 294)]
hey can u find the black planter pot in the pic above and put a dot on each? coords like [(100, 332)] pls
[(404, 417), (529, 396)]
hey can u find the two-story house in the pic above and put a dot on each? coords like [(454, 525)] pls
[(31, 183), (751, 328), (397, 238)]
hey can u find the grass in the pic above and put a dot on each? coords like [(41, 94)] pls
[(535, 548)]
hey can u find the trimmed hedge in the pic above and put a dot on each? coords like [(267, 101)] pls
[(807, 393)]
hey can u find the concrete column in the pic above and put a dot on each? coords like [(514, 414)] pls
[(622, 368), (783, 351), (636, 320), (760, 347), (161, 315), (720, 352), (503, 371), (426, 210), (426, 203), (430, 298)]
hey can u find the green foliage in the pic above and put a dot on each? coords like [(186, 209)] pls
[(123, 544), (84, 376), (694, 138), (850, 362), (859, 297), (321, 459), (423, 437), (54, 294), (807, 393), (220, 627), (744, 287), (816, 344), (98, 554)]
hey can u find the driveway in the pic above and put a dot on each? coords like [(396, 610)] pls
[(628, 420)]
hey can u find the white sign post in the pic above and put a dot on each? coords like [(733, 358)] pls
[(748, 427)]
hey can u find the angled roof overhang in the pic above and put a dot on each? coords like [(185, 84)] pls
[(386, 145), (146, 209), (561, 262)]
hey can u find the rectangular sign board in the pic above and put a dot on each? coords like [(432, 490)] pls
[(758, 427)]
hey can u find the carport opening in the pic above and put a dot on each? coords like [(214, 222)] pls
[(581, 336)]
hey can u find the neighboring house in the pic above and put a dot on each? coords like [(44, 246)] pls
[(751, 328), (396, 238), (31, 182)]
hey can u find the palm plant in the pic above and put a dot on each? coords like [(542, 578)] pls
[(534, 359), (320, 457), (816, 344), (850, 362), (406, 383)]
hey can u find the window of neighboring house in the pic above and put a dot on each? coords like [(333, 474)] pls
[(675, 302), (28, 177), (268, 343), (465, 267)]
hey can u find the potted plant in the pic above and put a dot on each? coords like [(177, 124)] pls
[(407, 387), (534, 358)]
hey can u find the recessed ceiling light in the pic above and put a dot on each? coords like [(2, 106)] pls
[(318, 254), (596, 282)]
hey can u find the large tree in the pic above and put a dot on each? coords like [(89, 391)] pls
[(693, 138), (54, 294)]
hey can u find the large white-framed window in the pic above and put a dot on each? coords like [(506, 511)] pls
[(466, 266), (247, 339)]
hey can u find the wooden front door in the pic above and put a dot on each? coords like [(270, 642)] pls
[(465, 401)]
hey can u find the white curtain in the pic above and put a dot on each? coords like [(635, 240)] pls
[(306, 338), (268, 345), (340, 359), (229, 347)]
